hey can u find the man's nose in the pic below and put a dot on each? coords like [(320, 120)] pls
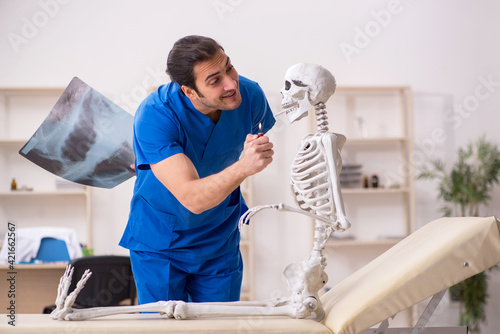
[(230, 83)]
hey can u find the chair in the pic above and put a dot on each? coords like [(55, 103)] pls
[(111, 284), (52, 250)]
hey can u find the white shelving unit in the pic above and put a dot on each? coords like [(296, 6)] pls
[(377, 122), (40, 199), (246, 246)]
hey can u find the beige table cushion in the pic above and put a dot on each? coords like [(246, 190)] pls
[(155, 323), (423, 264)]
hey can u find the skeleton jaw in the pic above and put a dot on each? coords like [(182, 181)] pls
[(296, 110)]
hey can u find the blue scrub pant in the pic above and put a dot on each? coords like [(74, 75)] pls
[(161, 277)]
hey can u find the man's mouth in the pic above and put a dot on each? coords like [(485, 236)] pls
[(232, 94)]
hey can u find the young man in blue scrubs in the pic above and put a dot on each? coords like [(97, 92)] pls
[(195, 141)]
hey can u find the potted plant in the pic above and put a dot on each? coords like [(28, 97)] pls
[(466, 186)]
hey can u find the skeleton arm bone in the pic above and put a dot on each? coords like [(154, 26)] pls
[(333, 144), (283, 207)]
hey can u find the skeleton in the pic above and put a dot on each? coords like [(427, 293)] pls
[(316, 187)]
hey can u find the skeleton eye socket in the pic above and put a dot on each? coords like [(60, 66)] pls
[(287, 85)]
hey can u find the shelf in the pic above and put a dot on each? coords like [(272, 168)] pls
[(337, 243), (22, 193), (373, 191), (30, 91), (35, 266), (373, 89), (13, 143), (374, 140)]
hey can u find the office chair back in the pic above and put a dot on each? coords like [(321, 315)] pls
[(111, 283)]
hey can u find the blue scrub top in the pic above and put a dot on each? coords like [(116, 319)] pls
[(166, 123)]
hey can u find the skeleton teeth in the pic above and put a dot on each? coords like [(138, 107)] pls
[(289, 104)]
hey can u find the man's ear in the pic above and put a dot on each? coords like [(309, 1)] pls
[(189, 92)]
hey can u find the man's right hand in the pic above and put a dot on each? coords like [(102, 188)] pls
[(257, 154)]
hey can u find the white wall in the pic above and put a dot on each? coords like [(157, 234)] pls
[(446, 50)]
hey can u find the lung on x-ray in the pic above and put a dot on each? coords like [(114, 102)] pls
[(86, 138)]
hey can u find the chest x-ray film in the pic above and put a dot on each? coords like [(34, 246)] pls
[(86, 139)]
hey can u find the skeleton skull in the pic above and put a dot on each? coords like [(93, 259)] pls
[(305, 85)]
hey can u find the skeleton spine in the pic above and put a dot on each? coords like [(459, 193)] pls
[(321, 117)]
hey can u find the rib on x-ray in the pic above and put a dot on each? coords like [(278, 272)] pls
[(86, 139)]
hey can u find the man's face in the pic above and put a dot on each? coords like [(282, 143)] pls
[(217, 84)]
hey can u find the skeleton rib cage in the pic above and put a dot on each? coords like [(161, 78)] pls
[(309, 179)]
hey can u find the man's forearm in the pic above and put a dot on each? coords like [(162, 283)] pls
[(178, 174), (210, 191)]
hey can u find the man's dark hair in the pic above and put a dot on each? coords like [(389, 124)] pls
[(185, 54)]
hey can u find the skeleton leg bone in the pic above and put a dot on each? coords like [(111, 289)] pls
[(183, 310), (180, 309)]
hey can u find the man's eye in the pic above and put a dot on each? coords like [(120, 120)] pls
[(214, 82), (230, 68)]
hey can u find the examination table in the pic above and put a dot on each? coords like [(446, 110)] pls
[(427, 262)]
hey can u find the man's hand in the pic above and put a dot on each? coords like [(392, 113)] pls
[(257, 154)]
